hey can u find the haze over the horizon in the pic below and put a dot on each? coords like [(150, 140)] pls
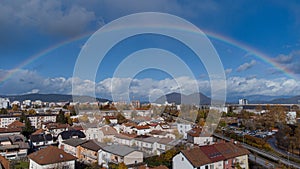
[(258, 44)]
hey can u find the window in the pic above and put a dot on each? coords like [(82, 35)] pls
[(182, 159)]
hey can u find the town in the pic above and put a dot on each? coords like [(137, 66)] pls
[(37, 134)]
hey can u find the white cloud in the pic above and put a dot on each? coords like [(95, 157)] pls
[(290, 62), (25, 81), (246, 66)]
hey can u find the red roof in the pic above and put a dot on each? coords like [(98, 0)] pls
[(51, 155), (16, 124), (212, 153), (142, 127)]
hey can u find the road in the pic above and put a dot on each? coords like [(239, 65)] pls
[(272, 142), (261, 161), (264, 153)]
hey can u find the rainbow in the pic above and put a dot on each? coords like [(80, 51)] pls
[(221, 38)]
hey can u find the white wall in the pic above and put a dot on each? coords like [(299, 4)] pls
[(34, 165), (180, 162)]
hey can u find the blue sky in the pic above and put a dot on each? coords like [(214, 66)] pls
[(31, 27)]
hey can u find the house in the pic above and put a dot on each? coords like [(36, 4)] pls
[(92, 132), (40, 140), (56, 128), (65, 135), (162, 134), (119, 153), (125, 139), (111, 119), (88, 151), (107, 134), (141, 130), (51, 157), (196, 136), (71, 146), (13, 146), (218, 156), (183, 128)]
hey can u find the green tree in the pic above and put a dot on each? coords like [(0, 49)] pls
[(22, 117), (3, 111), (60, 118), (28, 129)]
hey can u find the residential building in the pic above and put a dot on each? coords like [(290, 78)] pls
[(71, 146), (183, 128), (36, 120), (88, 151), (41, 140), (13, 146), (197, 136), (65, 135), (107, 134), (217, 156), (51, 157), (119, 153), (4, 103), (243, 101)]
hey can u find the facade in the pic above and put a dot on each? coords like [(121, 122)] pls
[(217, 156), (4, 103), (183, 128), (36, 120), (71, 146), (88, 151), (13, 146), (243, 101), (107, 134), (196, 136), (51, 157), (119, 153)]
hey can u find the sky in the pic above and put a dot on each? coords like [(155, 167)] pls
[(258, 43)]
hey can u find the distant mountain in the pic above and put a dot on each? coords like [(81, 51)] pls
[(254, 99), (184, 99), (290, 100), (52, 98)]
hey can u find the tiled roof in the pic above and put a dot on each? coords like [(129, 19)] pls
[(119, 150), (212, 153), (107, 130), (142, 127), (74, 142), (41, 137), (16, 124), (92, 145), (10, 130), (39, 131), (230, 150), (72, 133), (196, 157), (51, 155)]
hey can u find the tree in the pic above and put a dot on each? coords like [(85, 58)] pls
[(3, 111), (121, 119), (31, 112), (15, 107), (60, 118), (28, 129), (22, 117), (122, 166)]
